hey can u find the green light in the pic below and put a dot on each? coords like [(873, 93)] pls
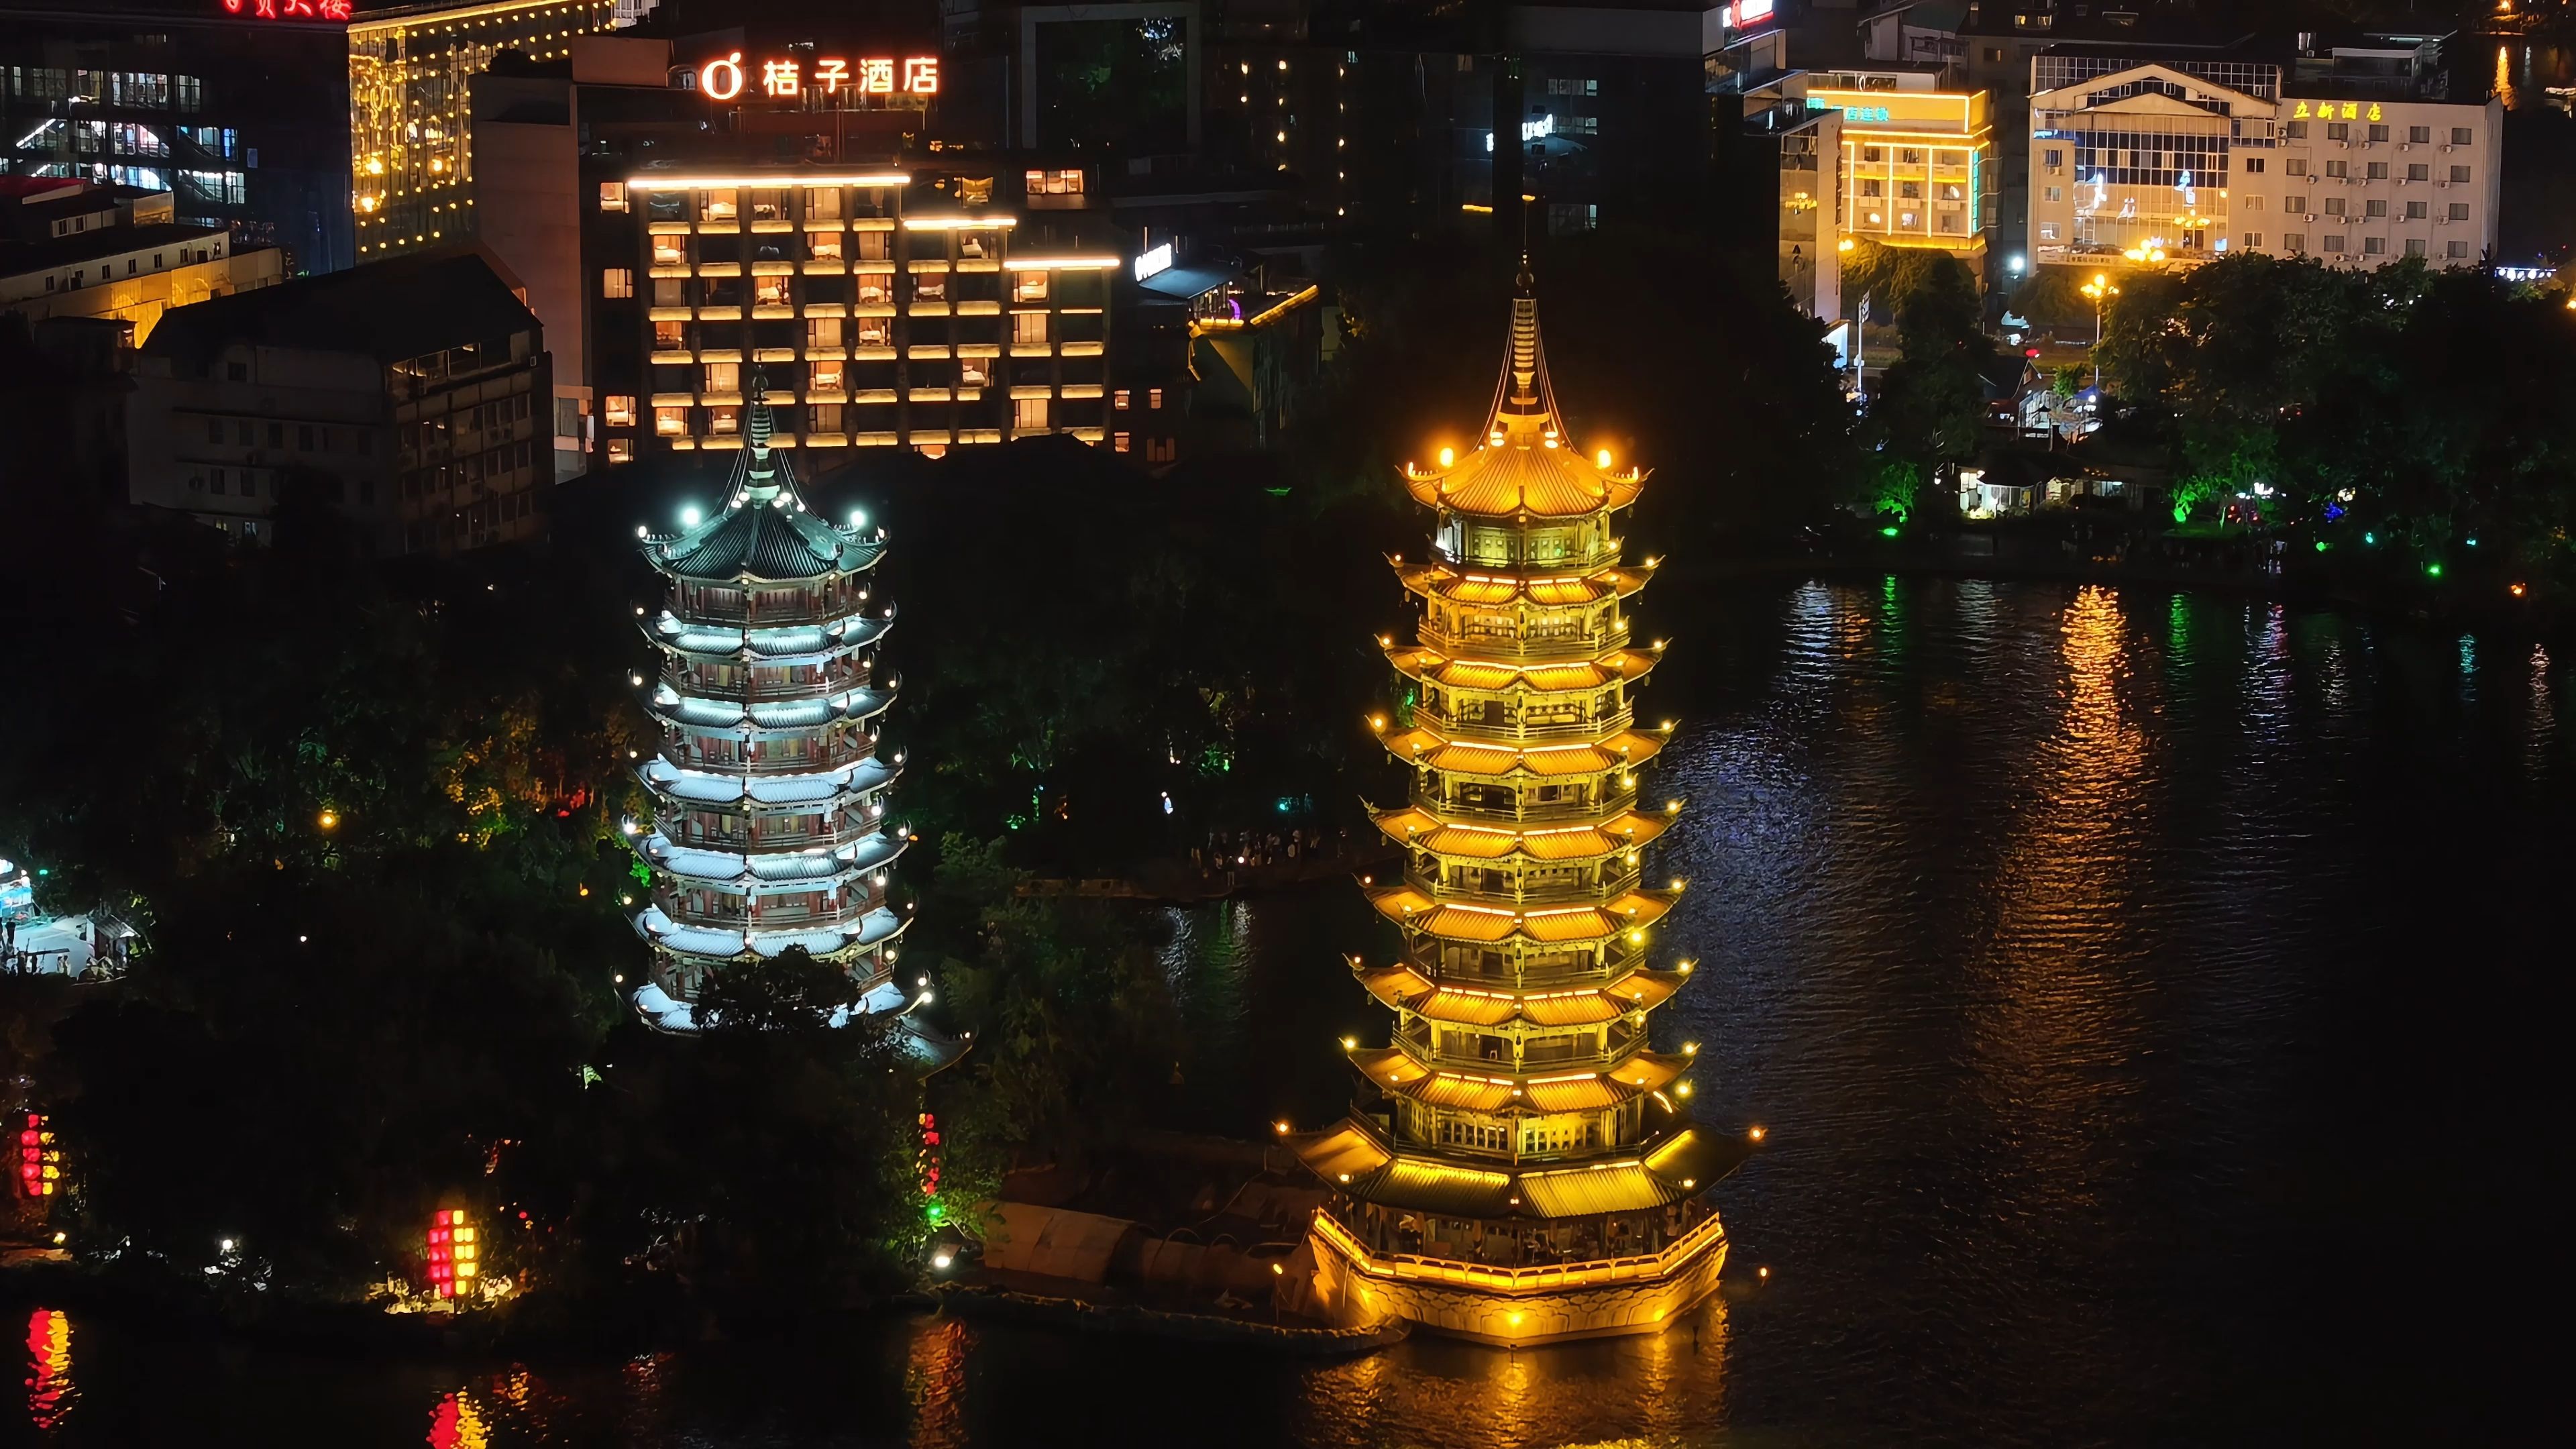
[(2435, 570), (2472, 542), (2370, 538), (2322, 545), (1888, 532), (938, 1211), (2182, 513)]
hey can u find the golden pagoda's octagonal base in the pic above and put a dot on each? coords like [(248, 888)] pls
[(1353, 1286)]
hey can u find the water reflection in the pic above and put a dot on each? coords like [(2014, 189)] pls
[(457, 1424), (50, 1393)]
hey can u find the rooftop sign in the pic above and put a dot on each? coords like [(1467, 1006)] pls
[(290, 9), (787, 79)]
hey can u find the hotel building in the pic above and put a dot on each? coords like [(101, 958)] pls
[(2151, 164), (411, 152), (1917, 162), (876, 321)]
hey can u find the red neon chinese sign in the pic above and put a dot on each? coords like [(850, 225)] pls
[(454, 1257), (290, 9), (40, 1162), (724, 78)]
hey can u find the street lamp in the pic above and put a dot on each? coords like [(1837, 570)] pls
[(2098, 290)]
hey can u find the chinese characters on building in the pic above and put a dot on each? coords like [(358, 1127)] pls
[(289, 9), (724, 79), (2326, 111)]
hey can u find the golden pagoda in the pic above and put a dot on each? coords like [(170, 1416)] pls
[(1523, 1169)]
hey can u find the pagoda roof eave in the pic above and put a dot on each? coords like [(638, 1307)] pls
[(1412, 825), (1400, 986), (1409, 907), (719, 945), (756, 792), (696, 711), (1425, 744), (842, 637), (1440, 579)]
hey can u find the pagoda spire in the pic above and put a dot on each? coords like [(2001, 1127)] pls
[(1523, 396)]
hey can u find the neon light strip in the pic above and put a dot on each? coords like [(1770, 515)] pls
[(687, 183)]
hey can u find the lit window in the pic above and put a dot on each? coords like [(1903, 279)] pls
[(826, 245), (1118, 399), (824, 377), (670, 422), (1029, 414), (723, 377), (618, 409), (668, 251), (621, 450), (823, 418), (1153, 397), (617, 282), (1029, 327), (1029, 287), (1118, 441), (717, 205), (612, 196), (724, 420)]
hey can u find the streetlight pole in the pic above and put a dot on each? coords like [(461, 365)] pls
[(2099, 289)]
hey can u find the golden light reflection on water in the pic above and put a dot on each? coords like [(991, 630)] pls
[(458, 1424), (934, 1381), (50, 1392), (1648, 1389)]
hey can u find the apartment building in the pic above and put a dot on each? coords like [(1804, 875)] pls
[(1917, 159), (2151, 164)]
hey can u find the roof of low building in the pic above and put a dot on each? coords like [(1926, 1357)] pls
[(389, 310)]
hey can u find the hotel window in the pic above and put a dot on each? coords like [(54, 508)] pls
[(723, 377), (669, 292), (822, 332), (669, 251), (2338, 131), (2418, 171), (1950, 191), (769, 291), (1029, 414), (978, 246), (618, 409), (724, 420), (2419, 135), (612, 196), (872, 288), (823, 418), (2459, 135), (670, 336), (2294, 130), (617, 282), (1949, 222), (1910, 190), (1055, 183), (2296, 241), (1161, 450), (876, 331), (1909, 156), (875, 246), (1872, 154), (2378, 133), (2455, 250), (1118, 442), (823, 203), (2375, 171), (1029, 287), (2294, 203), (2253, 240), (1117, 400), (2334, 244), (2048, 231), (1153, 397), (1950, 159), (823, 246), (824, 376), (2414, 246), (2372, 246), (621, 450), (930, 287), (670, 422), (2338, 168), (716, 205), (2053, 158), (2294, 167), (2417, 210), (2249, 203), (2253, 165), (1029, 327), (766, 205), (2374, 208), (974, 372), (2459, 173), (2334, 206)]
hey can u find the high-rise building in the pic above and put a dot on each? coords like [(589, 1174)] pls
[(1917, 159), (1533, 1175), (881, 311), (768, 829), (411, 117)]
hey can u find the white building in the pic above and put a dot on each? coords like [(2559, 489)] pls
[(2149, 164)]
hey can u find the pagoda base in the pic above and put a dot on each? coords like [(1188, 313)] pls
[(1353, 1286)]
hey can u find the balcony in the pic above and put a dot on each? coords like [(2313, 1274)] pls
[(1524, 810), (1519, 729), (1616, 881), (1525, 646)]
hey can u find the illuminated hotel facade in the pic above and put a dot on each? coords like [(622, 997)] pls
[(1917, 163), (882, 307), (411, 153), (1527, 1170)]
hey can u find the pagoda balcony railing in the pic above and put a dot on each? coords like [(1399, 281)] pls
[(1480, 729), (1421, 1045), (1523, 811), (1518, 646), (781, 616), (1398, 1266), (816, 763), (759, 842), (1471, 970), (1465, 889), (765, 692), (772, 919)]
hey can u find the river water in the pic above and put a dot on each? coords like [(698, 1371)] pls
[(2143, 992)]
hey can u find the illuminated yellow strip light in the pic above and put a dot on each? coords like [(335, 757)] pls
[(1235, 324), (955, 223), (447, 17), (687, 183), (1019, 264), (1407, 1266)]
